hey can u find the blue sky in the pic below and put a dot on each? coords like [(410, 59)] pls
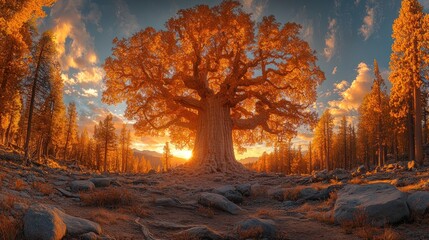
[(346, 34)]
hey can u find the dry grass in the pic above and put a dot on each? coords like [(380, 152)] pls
[(111, 197), (332, 199), (265, 213), (205, 212), (389, 234), (325, 217), (19, 185), (10, 228), (251, 233), (44, 188), (104, 216), (357, 180), (7, 204), (292, 194), (140, 211)]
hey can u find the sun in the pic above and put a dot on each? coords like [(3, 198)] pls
[(186, 154)]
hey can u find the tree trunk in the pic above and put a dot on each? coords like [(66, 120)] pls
[(30, 114), (410, 132), (418, 126), (213, 149)]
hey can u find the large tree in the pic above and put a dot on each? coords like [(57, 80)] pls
[(408, 65), (214, 75)]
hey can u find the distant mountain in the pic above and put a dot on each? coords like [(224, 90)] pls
[(155, 158), (248, 160)]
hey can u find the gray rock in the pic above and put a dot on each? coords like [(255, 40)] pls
[(101, 182), (230, 193), (340, 174), (48, 222), (308, 193), (361, 169), (78, 226), (276, 193), (89, 236), (167, 202), (381, 204), (82, 186), (43, 222), (244, 189), (218, 201), (404, 181), (200, 233), (59, 183), (418, 202), (256, 228), (320, 175)]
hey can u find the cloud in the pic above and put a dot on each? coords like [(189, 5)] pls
[(94, 16), (90, 92), (330, 40), (357, 2), (352, 97), (341, 85), (367, 28), (254, 7), (74, 43), (334, 71), (90, 75), (127, 22)]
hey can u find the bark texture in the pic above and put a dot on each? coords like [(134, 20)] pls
[(213, 150)]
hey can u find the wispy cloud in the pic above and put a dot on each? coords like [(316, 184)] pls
[(254, 7), (90, 92), (330, 40), (334, 71), (127, 22), (367, 28)]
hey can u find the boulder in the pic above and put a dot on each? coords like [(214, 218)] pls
[(381, 204), (418, 202), (361, 169), (43, 222), (405, 181), (276, 193), (308, 193), (244, 189), (167, 202), (89, 236), (320, 175), (78, 226), (200, 233), (101, 182), (48, 222), (256, 228), (340, 174), (230, 193), (82, 186), (219, 202)]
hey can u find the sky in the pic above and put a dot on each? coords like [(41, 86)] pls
[(347, 36)]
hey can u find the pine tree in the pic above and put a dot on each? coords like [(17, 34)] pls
[(167, 158), (70, 129), (407, 64), (106, 139)]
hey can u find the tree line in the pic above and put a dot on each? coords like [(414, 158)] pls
[(391, 126), (33, 116)]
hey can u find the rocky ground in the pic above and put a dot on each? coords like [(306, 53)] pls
[(55, 202)]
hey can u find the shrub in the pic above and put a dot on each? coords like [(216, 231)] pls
[(44, 188), (10, 228), (111, 197), (19, 185)]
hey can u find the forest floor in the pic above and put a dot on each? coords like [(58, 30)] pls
[(165, 206)]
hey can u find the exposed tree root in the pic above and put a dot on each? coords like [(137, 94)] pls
[(147, 235)]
